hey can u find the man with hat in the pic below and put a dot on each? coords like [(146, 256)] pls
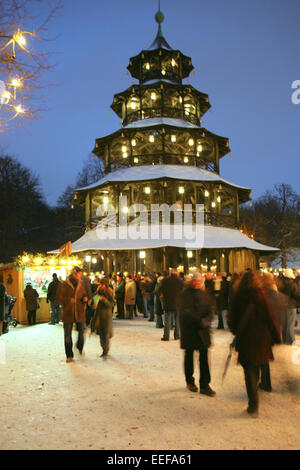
[(72, 296), (102, 322)]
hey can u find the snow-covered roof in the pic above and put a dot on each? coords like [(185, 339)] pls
[(152, 172), (161, 120), (189, 237)]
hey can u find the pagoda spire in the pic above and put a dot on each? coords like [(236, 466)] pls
[(159, 41)]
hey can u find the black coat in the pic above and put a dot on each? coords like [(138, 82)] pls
[(2, 301), (171, 287), (253, 323), (195, 315), (120, 290), (52, 289)]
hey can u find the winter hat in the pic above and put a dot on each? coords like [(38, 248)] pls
[(289, 273)]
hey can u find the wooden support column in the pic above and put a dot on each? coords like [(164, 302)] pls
[(198, 259), (164, 251)]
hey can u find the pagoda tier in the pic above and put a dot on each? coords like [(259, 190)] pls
[(165, 184), (166, 141), (160, 64), (161, 98), (160, 61)]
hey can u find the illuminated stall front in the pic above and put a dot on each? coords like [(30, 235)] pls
[(36, 270)]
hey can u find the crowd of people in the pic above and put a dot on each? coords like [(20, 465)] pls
[(258, 308)]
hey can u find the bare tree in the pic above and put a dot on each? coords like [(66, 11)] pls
[(274, 219), (23, 60)]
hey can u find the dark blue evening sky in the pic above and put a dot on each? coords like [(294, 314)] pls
[(246, 55)]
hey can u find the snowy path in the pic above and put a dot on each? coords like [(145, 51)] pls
[(137, 399)]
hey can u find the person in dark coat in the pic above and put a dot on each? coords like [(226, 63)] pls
[(51, 296), (102, 321), (158, 309), (139, 296), (72, 296), (290, 288), (171, 287), (251, 321), (31, 296), (120, 296), (195, 316), (2, 303)]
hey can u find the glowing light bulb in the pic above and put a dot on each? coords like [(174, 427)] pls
[(136, 160), (213, 204), (153, 96), (147, 66), (105, 200), (151, 138), (218, 199), (186, 160), (124, 148), (6, 96), (19, 39), (133, 142), (189, 254), (19, 109), (191, 142), (206, 194), (147, 190), (173, 138), (133, 105), (199, 148), (173, 63), (181, 190), (16, 82)]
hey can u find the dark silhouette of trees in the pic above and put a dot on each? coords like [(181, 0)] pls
[(25, 218), (70, 217), (274, 219)]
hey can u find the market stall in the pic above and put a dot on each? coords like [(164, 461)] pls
[(37, 270)]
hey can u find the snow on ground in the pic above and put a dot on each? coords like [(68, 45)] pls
[(137, 399)]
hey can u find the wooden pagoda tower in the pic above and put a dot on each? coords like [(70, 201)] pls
[(162, 154)]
